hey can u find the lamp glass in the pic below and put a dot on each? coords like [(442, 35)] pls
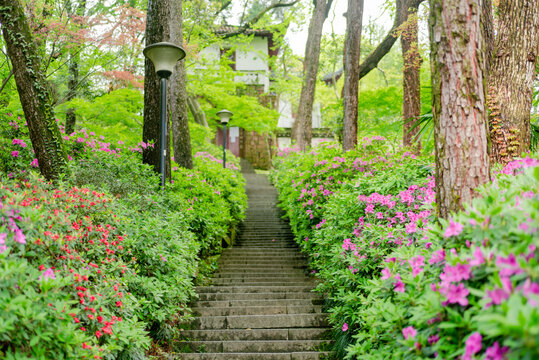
[(164, 56), (225, 116)]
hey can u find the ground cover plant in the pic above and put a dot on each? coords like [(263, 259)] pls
[(402, 284), (102, 264)]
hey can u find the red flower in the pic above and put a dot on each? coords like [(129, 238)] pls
[(98, 334), (119, 303)]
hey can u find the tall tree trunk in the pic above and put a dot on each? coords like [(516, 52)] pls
[(411, 94), (303, 133), (352, 51), (35, 98), (157, 30), (512, 77), (181, 139), (458, 102), (73, 82)]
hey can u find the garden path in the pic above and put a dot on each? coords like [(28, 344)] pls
[(260, 304)]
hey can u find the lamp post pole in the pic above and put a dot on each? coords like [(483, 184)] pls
[(225, 118), (164, 57), (224, 146), (163, 129)]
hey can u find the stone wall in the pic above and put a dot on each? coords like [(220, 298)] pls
[(257, 149)]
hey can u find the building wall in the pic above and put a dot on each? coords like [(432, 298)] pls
[(286, 120)]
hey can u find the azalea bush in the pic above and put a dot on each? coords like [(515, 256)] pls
[(400, 283), (103, 263)]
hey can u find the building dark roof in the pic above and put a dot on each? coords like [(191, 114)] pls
[(231, 29)]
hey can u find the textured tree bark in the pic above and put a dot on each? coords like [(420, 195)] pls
[(510, 89), (458, 102), (352, 52), (181, 138), (303, 131), (411, 95), (487, 26), (73, 82), (35, 98), (157, 30)]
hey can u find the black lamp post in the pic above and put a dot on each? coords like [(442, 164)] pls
[(164, 57), (225, 117)]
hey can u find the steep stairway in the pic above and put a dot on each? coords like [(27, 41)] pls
[(260, 304)]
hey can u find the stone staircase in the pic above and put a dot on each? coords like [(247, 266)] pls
[(260, 304)]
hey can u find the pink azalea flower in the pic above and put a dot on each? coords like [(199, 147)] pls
[(34, 163), (399, 285), (3, 246), (456, 273), (411, 228), (417, 265), (19, 237), (386, 273), (15, 153), (473, 345), (345, 327), (47, 274), (453, 229), (456, 294), (437, 256), (531, 292), (478, 258), (495, 352), (509, 265), (409, 332), (433, 339)]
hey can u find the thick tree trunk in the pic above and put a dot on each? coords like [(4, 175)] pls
[(303, 133), (352, 51), (458, 102), (35, 98), (73, 82), (157, 30), (512, 77), (411, 94), (181, 139), (196, 111)]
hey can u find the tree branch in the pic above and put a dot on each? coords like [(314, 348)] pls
[(243, 28), (383, 48), (6, 80)]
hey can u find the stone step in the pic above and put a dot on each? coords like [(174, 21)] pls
[(260, 321), (257, 310), (258, 334), (259, 346), (226, 274), (254, 268), (262, 282), (311, 355), (259, 302), (253, 289), (257, 296), (260, 262)]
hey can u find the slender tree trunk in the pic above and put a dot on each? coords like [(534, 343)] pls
[(352, 51), (73, 82), (196, 111), (303, 133), (35, 98), (181, 139), (458, 102), (512, 77), (411, 95), (157, 30), (487, 26)]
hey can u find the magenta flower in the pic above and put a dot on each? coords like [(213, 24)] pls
[(345, 327), (495, 352), (386, 273), (478, 258), (433, 339), (47, 274), (531, 292), (19, 237), (456, 294), (417, 265), (509, 265), (456, 273), (15, 153), (473, 345), (453, 229), (409, 332), (3, 246), (411, 228), (399, 285), (437, 256), (34, 163)]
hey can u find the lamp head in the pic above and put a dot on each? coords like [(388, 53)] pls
[(225, 116), (164, 57)]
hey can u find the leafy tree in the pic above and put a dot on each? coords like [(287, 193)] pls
[(33, 91)]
